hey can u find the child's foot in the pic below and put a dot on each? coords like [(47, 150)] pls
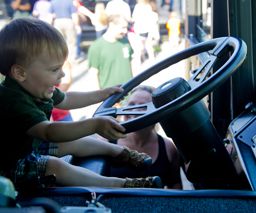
[(134, 158), (148, 182)]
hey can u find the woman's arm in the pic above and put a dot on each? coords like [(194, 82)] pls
[(174, 160)]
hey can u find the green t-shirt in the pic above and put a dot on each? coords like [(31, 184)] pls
[(19, 111), (113, 60)]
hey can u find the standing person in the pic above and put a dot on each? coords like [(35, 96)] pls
[(21, 8), (9, 8), (31, 58), (144, 24), (110, 56), (98, 18), (163, 151), (65, 20), (173, 27), (171, 5), (42, 11), (154, 32)]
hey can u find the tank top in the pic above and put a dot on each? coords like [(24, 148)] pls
[(161, 167)]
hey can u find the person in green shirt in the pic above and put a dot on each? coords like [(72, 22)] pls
[(109, 57), (32, 54)]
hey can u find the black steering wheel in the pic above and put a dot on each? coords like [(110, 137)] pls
[(202, 82)]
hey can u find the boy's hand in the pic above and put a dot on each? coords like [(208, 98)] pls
[(111, 90), (109, 128)]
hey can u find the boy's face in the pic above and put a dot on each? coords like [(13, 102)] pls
[(42, 75)]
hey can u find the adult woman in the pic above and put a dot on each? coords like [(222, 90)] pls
[(166, 163)]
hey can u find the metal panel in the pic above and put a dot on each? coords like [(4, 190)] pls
[(242, 24), (235, 18)]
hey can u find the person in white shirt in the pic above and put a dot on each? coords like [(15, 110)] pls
[(42, 11)]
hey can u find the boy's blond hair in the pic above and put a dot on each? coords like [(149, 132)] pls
[(22, 40)]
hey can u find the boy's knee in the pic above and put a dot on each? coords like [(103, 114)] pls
[(54, 164)]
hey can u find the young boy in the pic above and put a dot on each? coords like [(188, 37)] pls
[(32, 54)]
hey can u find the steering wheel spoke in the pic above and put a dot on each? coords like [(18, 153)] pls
[(139, 109), (202, 72)]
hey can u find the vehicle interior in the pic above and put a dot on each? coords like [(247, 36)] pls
[(208, 112)]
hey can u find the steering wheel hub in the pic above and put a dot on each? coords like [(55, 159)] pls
[(169, 91)]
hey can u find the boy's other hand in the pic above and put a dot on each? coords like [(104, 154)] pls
[(112, 90)]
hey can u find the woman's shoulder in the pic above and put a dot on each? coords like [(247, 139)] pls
[(171, 149)]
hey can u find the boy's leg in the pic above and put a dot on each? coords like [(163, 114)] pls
[(31, 170), (70, 175), (89, 146)]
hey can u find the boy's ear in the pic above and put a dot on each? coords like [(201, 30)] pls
[(18, 73)]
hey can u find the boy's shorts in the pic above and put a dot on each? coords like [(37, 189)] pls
[(31, 169)]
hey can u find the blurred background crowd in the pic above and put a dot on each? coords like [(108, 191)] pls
[(151, 28), (91, 20)]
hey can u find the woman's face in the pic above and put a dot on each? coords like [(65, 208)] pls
[(42, 75), (138, 97)]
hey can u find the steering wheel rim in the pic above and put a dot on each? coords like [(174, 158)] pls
[(199, 89)]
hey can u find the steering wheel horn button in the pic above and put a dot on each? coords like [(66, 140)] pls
[(169, 91)]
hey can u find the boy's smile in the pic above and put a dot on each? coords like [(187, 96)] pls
[(42, 75)]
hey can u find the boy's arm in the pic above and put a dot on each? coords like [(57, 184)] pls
[(75, 100), (56, 132)]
